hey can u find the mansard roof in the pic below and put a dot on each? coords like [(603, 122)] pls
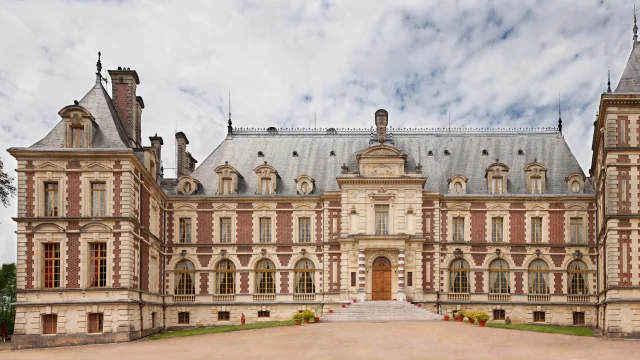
[(465, 147), (630, 79), (109, 132)]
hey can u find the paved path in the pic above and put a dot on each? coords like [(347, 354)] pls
[(371, 340)]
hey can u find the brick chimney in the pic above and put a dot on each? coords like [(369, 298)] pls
[(156, 145), (124, 82), (182, 159)]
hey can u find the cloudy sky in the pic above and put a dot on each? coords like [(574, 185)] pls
[(487, 63)]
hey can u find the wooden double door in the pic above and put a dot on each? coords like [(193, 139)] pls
[(381, 279)]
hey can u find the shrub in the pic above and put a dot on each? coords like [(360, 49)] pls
[(308, 314), (461, 313), (297, 316)]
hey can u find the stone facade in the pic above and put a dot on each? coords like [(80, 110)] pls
[(277, 221)]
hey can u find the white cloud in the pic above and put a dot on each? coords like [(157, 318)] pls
[(349, 58)]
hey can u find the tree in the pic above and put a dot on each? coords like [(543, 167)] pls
[(7, 189), (8, 295)]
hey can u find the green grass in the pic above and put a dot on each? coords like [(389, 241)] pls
[(567, 330), (220, 329)]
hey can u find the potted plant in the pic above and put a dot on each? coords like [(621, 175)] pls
[(298, 318), (447, 318), (307, 315), (459, 315), (482, 318), (316, 318), (471, 317)]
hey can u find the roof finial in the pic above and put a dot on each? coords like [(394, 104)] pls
[(635, 25), (229, 127), (608, 80), (559, 114), (99, 64)]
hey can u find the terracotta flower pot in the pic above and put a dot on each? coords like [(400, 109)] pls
[(482, 322), (355, 301), (331, 310), (419, 305), (344, 305), (471, 321), (447, 318), (316, 319), (298, 321), (458, 318), (306, 321)]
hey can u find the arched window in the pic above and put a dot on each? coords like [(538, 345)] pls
[(304, 277), (304, 187), (185, 278), (225, 277), (578, 284), (575, 186), (457, 188), (265, 277), (499, 277), (459, 276), (538, 277)]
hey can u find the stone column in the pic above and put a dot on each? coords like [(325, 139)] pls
[(362, 292), (401, 294)]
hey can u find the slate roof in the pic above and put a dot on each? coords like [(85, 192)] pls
[(109, 133), (465, 148), (630, 79)]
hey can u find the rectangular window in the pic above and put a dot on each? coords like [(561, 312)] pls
[(98, 265), (304, 229), (536, 230), (96, 322), (410, 278), (98, 204), (382, 219), (576, 233), (496, 185), (538, 316), (183, 318), (623, 132), (223, 316), (496, 229), (51, 199), (353, 278), (225, 230), (265, 186), (458, 229), (51, 266), (265, 229), (264, 314), (77, 136), (536, 185), (185, 230), (153, 320), (50, 324), (578, 318), (226, 187), (498, 314)]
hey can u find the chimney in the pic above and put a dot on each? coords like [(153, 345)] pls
[(382, 119), (124, 82), (182, 159), (156, 145)]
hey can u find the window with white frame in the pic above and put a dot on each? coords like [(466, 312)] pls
[(304, 229), (536, 229), (458, 229), (576, 230), (497, 229), (382, 219), (265, 229)]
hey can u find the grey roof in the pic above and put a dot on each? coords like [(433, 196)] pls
[(630, 79), (108, 134), (465, 148)]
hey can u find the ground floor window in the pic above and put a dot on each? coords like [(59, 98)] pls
[(538, 316), (498, 314), (264, 314), (223, 316), (183, 318), (96, 322), (409, 278), (49, 324), (578, 318), (353, 278), (153, 320)]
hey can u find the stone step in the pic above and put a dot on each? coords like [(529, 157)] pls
[(382, 311)]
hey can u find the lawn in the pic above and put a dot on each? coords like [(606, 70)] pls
[(220, 329), (577, 331)]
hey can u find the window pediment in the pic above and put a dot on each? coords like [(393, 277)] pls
[(382, 161)]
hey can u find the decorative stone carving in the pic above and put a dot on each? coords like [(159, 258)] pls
[(458, 253), (577, 255)]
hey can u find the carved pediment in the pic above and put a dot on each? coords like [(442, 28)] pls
[(96, 166), (49, 166)]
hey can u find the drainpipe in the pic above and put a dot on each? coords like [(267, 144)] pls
[(164, 247), (141, 303)]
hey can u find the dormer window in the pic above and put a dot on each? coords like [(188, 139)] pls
[(267, 177), (458, 184), (295, 154), (77, 136), (332, 153), (536, 177), (575, 183), (260, 154), (304, 184), (430, 153), (227, 179), (496, 175), (447, 153), (485, 152), (187, 185), (520, 152)]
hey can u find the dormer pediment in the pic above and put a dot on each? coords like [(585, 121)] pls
[(227, 179), (382, 161)]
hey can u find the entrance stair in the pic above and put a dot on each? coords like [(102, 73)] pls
[(382, 311)]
